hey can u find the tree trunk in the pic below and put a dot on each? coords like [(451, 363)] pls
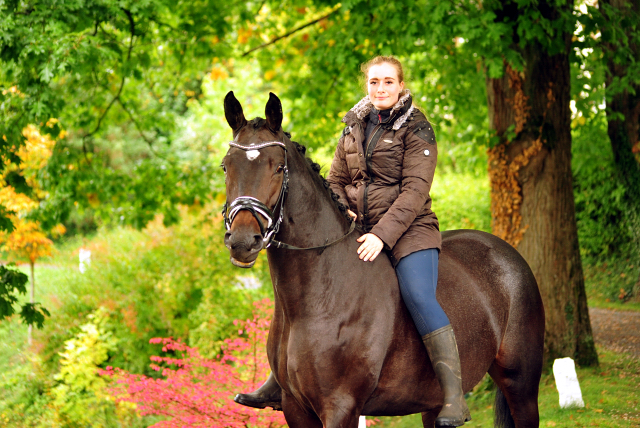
[(532, 200), (623, 106), (33, 295)]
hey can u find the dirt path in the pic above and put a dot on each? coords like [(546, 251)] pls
[(618, 331)]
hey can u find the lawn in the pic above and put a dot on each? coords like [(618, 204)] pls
[(611, 394)]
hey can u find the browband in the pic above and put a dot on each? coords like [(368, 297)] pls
[(258, 146)]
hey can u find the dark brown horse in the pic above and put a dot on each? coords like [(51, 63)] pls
[(342, 343)]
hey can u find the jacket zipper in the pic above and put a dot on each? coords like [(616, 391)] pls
[(368, 153)]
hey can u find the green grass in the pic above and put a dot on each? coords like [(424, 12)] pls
[(611, 393), (612, 283)]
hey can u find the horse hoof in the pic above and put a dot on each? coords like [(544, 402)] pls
[(446, 422)]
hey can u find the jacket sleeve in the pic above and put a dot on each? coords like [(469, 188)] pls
[(418, 168), (339, 173)]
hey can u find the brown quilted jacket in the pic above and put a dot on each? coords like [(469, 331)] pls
[(386, 180)]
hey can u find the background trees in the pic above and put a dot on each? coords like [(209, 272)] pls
[(121, 79)]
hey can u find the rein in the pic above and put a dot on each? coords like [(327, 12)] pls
[(255, 207)]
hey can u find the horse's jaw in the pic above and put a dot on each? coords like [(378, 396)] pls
[(244, 265)]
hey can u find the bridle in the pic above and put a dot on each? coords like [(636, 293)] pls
[(255, 206)]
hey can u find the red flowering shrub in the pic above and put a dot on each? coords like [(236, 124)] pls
[(198, 392)]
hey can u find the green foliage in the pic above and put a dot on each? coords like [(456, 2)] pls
[(108, 70), (462, 201), (163, 281), (113, 71), (5, 223), (601, 212), (33, 314), (600, 194), (79, 395), (611, 282), (13, 283), (159, 282)]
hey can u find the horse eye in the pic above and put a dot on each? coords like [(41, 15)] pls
[(224, 168), (279, 169)]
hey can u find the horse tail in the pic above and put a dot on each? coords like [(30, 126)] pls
[(502, 414)]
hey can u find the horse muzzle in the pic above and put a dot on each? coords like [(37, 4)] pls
[(244, 245)]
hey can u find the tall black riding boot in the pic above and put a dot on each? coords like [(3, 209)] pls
[(268, 395), (443, 352)]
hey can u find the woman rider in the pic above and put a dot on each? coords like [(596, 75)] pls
[(382, 170)]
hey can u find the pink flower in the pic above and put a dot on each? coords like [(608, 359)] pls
[(198, 392)]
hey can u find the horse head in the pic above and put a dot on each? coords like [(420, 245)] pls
[(256, 178)]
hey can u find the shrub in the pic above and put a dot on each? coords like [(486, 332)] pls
[(163, 281), (195, 391)]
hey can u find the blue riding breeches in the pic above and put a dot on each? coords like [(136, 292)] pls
[(418, 278)]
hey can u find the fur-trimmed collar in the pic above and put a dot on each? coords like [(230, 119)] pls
[(361, 110)]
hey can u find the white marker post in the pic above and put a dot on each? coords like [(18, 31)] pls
[(85, 259), (564, 371)]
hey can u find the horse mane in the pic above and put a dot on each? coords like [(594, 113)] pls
[(315, 167)]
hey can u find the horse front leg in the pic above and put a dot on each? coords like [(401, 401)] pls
[(298, 416), (335, 413), (340, 412)]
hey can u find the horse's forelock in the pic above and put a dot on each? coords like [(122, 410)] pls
[(257, 123)]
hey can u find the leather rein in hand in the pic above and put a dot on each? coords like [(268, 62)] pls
[(255, 207)]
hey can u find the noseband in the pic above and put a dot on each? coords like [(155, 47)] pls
[(255, 207)]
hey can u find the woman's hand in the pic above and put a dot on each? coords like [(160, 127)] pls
[(370, 248), (353, 215)]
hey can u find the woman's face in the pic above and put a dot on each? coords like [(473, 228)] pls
[(383, 86)]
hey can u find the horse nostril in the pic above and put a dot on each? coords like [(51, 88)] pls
[(227, 238), (257, 242)]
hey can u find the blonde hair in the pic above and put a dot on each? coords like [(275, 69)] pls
[(381, 59)]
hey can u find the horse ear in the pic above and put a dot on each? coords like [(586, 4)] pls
[(233, 112), (273, 112)]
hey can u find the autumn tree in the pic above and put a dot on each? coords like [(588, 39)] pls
[(118, 76), (26, 241)]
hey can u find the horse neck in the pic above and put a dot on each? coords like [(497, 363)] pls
[(310, 215), (311, 219)]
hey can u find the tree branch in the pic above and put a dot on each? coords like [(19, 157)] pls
[(139, 128), (302, 27), (132, 29), (104, 113)]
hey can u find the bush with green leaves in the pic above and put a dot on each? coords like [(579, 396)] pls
[(163, 281), (610, 258)]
